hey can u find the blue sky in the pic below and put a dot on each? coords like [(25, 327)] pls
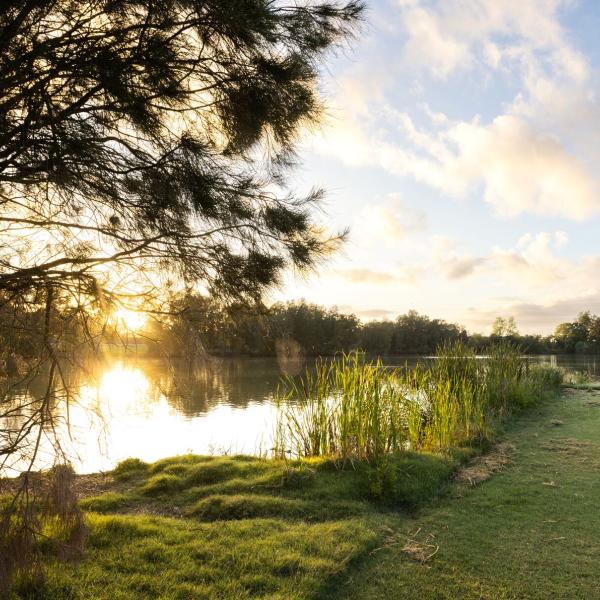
[(461, 146)]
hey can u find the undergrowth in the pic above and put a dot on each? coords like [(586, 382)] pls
[(351, 408)]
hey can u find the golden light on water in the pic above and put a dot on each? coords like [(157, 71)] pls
[(124, 413), (123, 384)]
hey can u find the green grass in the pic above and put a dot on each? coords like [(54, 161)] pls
[(236, 527), (354, 409), (244, 527), (530, 532)]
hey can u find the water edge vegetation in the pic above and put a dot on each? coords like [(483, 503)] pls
[(244, 527)]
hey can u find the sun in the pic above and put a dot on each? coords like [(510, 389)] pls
[(130, 319)]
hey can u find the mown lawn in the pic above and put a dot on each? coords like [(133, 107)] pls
[(239, 527), (531, 531)]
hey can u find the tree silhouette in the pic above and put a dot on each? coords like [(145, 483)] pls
[(154, 136), (143, 144)]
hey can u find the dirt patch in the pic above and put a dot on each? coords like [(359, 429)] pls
[(420, 550), (153, 510), (567, 445), (593, 403), (84, 486), (92, 485), (483, 467)]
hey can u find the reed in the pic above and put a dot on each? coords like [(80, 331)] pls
[(352, 408)]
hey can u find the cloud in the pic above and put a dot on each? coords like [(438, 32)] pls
[(458, 268), (551, 288), (539, 155), (533, 263), (400, 275), (386, 222), (452, 35), (366, 276), (376, 313), (533, 317), (428, 44), (521, 169), (451, 261)]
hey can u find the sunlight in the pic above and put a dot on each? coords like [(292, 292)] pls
[(124, 385), (130, 319)]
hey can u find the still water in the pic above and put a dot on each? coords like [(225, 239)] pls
[(149, 409)]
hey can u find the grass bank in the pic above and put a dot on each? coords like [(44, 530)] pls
[(231, 527), (247, 527), (529, 532), (300, 531)]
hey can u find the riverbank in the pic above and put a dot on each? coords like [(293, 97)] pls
[(530, 532), (242, 527), (233, 527)]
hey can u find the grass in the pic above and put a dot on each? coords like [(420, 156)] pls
[(529, 532), (354, 409), (257, 528), (232, 527)]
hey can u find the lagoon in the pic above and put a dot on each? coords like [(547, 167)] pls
[(152, 408)]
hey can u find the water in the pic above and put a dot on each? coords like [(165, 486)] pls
[(149, 409)]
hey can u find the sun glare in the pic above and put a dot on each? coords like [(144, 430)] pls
[(124, 385), (130, 319)]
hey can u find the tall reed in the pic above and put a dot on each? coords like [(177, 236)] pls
[(349, 407)]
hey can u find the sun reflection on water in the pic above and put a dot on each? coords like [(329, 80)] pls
[(123, 386), (125, 414)]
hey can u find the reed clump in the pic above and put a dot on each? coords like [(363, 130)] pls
[(353, 408)]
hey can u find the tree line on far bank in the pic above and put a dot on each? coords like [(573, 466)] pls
[(200, 325), (312, 330)]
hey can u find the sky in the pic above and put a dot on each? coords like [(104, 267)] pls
[(461, 146)]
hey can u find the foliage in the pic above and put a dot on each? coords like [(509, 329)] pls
[(353, 409), (45, 513), (131, 133), (418, 334), (581, 335), (201, 324), (505, 327)]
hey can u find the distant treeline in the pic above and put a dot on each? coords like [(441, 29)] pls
[(315, 330)]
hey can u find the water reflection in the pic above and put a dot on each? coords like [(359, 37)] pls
[(151, 408)]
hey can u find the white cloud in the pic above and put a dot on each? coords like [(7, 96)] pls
[(365, 276), (428, 44), (540, 155), (533, 263), (449, 35), (537, 317), (522, 170), (387, 222), (451, 261), (561, 238)]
